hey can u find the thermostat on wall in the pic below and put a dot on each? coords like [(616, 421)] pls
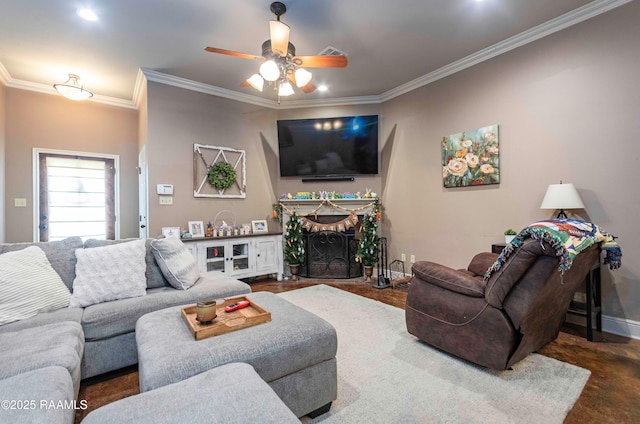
[(165, 189)]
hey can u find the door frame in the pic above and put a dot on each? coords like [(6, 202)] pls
[(36, 184), (143, 193)]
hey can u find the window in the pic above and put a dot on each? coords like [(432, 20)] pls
[(76, 197)]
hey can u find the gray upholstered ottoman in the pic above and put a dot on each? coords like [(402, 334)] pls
[(232, 393), (294, 353)]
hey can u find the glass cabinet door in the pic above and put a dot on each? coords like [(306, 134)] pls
[(239, 257), (215, 258)]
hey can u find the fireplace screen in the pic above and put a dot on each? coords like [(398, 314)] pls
[(330, 254)]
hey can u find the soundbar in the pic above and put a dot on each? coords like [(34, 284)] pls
[(328, 178)]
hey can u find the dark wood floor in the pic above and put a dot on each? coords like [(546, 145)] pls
[(612, 394)]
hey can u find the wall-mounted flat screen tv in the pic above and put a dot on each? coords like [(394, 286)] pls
[(345, 146)]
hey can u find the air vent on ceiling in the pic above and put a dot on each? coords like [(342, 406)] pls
[(331, 51)]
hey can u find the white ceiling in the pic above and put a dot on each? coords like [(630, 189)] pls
[(389, 44)]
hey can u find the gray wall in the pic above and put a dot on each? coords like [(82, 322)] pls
[(178, 119), (52, 122), (568, 109), (567, 106)]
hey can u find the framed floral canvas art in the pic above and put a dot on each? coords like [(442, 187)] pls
[(471, 158)]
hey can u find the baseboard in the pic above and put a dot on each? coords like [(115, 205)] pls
[(621, 327)]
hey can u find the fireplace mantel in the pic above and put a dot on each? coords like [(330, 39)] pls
[(328, 207)]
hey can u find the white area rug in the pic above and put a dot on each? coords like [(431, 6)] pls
[(385, 375)]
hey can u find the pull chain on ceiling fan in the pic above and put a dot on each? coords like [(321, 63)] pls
[(281, 66)]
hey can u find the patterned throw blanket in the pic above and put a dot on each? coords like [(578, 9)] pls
[(567, 237)]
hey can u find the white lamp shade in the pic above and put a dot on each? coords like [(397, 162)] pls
[(303, 77), (256, 81), (269, 70), (562, 196), (279, 37), (285, 89)]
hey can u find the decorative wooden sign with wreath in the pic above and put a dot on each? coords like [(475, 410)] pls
[(219, 172)]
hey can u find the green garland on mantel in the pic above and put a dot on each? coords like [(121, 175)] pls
[(221, 175)]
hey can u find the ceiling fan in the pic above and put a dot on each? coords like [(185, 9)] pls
[(281, 66)]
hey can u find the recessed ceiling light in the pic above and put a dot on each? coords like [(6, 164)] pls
[(323, 88), (87, 14)]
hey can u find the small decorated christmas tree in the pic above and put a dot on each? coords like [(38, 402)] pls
[(293, 244), (367, 253)]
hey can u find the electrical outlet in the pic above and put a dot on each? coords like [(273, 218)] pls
[(166, 200), (413, 259), (403, 257)]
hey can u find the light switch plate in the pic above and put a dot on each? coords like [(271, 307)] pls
[(20, 202), (166, 200)]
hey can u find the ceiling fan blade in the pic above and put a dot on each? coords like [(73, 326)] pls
[(323, 61), (232, 53), (279, 37), (309, 88)]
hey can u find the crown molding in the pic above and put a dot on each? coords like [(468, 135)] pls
[(339, 101), (187, 84), (139, 88), (581, 14), (574, 17), (48, 89), (4, 75)]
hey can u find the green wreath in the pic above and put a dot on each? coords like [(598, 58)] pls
[(221, 175)]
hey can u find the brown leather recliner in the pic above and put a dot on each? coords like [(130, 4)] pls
[(497, 323)]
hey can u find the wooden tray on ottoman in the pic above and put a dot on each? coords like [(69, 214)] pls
[(226, 322)]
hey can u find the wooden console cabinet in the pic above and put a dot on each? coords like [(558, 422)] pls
[(238, 256)]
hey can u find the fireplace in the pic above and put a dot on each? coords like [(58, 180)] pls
[(330, 254)]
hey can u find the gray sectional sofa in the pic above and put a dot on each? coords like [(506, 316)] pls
[(58, 349)]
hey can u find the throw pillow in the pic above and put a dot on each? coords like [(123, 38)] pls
[(176, 263), (29, 285), (109, 273)]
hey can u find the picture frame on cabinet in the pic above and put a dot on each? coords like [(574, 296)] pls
[(196, 228), (171, 232), (259, 226)]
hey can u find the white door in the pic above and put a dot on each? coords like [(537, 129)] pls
[(76, 195), (143, 193)]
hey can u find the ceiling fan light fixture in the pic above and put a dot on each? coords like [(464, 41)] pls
[(303, 77), (71, 89), (279, 37), (256, 81), (269, 70), (285, 89)]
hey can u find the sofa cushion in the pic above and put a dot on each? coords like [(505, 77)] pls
[(40, 390), (61, 255), (29, 285), (111, 319), (176, 263), (109, 273), (153, 273), (44, 318), (60, 344)]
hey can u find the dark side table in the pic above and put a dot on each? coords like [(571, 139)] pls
[(591, 308)]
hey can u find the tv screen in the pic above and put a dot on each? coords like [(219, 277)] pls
[(344, 146)]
